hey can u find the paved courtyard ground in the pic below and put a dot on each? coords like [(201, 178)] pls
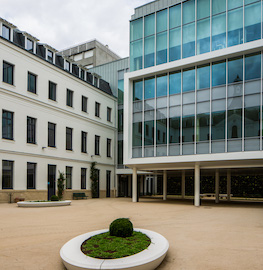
[(213, 237)]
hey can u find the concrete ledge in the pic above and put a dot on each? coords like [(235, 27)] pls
[(43, 204), (148, 259)]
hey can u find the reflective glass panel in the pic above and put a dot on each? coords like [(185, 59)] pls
[(149, 25), (252, 67), (203, 9), (188, 128), (175, 83), (252, 122), (235, 70), (137, 90), (189, 40), (203, 36), (218, 125), (149, 88), (136, 29), (136, 55), (188, 11), (218, 31), (161, 23), (253, 22), (234, 4), (235, 27), (161, 85), (234, 124), (203, 77), (137, 134), (218, 73), (175, 16), (161, 126), (188, 80), (218, 6), (161, 50), (175, 44), (149, 51), (174, 130), (250, 1), (202, 127), (149, 132)]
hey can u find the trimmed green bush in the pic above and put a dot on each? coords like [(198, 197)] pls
[(54, 198), (121, 227)]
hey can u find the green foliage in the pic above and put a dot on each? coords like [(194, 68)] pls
[(94, 180), (54, 198), (105, 246), (121, 227), (61, 185)]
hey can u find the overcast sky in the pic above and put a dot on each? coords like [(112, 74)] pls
[(64, 23)]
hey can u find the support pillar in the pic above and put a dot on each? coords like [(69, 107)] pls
[(164, 185), (197, 185), (217, 185), (183, 184), (228, 185), (134, 185)]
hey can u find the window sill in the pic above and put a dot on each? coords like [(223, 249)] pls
[(32, 144), (69, 150), (32, 93), (97, 155), (51, 147), (9, 84), (98, 117), (109, 157), (85, 153), (52, 100), (8, 140), (70, 107)]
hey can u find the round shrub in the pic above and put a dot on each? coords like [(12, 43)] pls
[(54, 198), (121, 227)]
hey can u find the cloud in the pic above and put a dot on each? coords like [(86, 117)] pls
[(63, 24)]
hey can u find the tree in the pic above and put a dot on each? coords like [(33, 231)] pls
[(61, 185), (94, 180)]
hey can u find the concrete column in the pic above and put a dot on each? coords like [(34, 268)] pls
[(134, 185), (183, 184), (197, 185), (228, 185), (217, 186), (164, 185)]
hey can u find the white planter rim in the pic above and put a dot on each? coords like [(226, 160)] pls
[(43, 204)]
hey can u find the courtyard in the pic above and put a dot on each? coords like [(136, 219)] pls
[(224, 236)]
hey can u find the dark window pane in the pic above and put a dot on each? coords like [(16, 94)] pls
[(69, 138), (7, 174), (252, 67), (234, 123), (31, 130), (174, 131), (218, 73), (235, 70), (202, 127), (84, 104), (97, 109), (203, 77), (252, 122), (97, 145), (83, 178), (161, 85), (32, 83), (108, 147), (69, 98), (8, 73), (175, 83), (7, 125), (108, 114), (68, 177), (52, 93), (31, 175), (189, 80), (218, 125), (51, 135)]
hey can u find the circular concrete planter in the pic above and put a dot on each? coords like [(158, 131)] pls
[(43, 204), (148, 259)]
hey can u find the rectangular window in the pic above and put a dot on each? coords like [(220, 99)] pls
[(97, 145), (68, 177), (8, 73), (50, 56), (52, 91), (219, 32), (108, 184), (32, 83), (7, 174), (97, 109), (31, 130), (83, 178), (67, 66), (51, 135), (84, 104), (69, 132), (31, 175), (108, 114), (82, 74), (108, 147), (30, 45), (83, 142), (69, 98), (6, 32), (7, 125)]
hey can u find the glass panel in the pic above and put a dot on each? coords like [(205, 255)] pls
[(218, 125), (250, 1), (149, 51), (235, 27), (136, 29), (149, 132), (137, 90), (188, 128), (252, 66), (252, 122), (234, 4), (188, 11), (252, 100), (218, 146), (218, 73), (161, 48), (202, 127), (234, 124), (235, 70), (203, 77), (161, 150), (218, 6), (253, 22), (218, 32), (175, 44), (189, 40), (203, 9), (175, 83), (203, 107), (218, 92), (203, 95), (174, 149), (137, 134), (161, 126), (252, 144), (203, 36), (175, 16), (202, 148), (136, 55), (174, 130), (161, 21), (149, 88), (149, 25), (161, 86), (252, 87), (234, 145), (149, 151), (188, 80)]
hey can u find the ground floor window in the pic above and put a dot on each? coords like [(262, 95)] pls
[(83, 178), (7, 174), (68, 177), (31, 175)]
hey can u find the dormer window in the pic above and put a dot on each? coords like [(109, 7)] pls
[(50, 56), (30, 45), (6, 32), (95, 81), (82, 74), (67, 66)]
